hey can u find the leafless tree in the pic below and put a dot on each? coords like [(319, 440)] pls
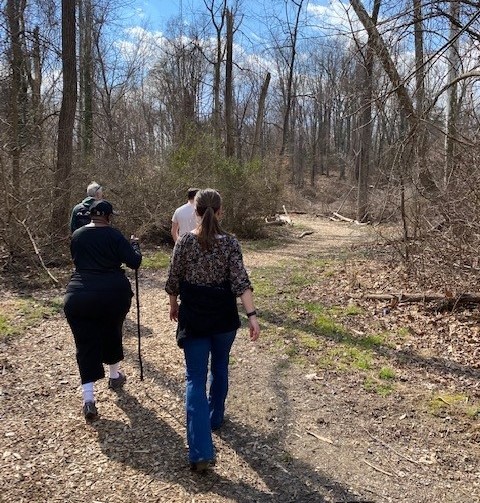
[(61, 189), (453, 62), (229, 122)]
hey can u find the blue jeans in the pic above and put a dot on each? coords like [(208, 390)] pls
[(205, 413)]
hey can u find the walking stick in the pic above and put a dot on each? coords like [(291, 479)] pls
[(138, 326)]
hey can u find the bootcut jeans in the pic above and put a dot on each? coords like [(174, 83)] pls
[(205, 413)]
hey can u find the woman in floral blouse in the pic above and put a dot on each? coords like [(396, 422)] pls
[(207, 272)]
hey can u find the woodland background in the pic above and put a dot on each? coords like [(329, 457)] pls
[(376, 117)]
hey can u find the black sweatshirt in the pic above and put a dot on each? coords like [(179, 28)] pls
[(98, 254)]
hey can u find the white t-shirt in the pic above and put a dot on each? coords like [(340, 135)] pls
[(185, 218)]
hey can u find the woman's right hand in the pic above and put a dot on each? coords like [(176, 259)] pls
[(173, 308), (254, 328)]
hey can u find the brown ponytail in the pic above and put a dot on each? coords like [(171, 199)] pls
[(207, 204)]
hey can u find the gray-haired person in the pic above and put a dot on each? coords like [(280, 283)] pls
[(81, 211)]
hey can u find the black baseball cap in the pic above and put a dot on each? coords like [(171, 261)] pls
[(102, 208)]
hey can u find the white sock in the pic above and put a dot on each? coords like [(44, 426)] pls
[(87, 390), (113, 369)]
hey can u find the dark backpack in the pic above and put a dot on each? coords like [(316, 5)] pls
[(82, 216)]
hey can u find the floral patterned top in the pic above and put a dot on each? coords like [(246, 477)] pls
[(224, 262)]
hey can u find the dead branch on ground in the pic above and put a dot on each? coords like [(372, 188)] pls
[(278, 219), (37, 250), (337, 217), (305, 233), (443, 302)]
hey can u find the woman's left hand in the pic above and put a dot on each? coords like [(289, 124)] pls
[(254, 328)]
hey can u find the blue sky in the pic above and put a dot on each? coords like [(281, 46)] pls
[(148, 20), (156, 13)]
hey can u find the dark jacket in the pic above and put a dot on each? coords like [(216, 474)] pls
[(81, 214), (206, 310), (98, 254)]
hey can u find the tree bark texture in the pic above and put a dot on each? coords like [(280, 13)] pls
[(61, 191), (217, 65), (230, 128), (406, 104), (86, 77), (452, 102), (365, 127), (260, 114), (419, 80), (293, 33), (16, 63)]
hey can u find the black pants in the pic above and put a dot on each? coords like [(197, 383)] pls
[(96, 320)]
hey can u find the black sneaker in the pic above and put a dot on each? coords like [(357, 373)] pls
[(117, 383), (201, 466), (90, 412)]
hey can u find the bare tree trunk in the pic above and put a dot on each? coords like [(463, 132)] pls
[(404, 99), (315, 128), (217, 111), (260, 113), (326, 130), (385, 59), (291, 67), (420, 139), (12, 182), (86, 77), (366, 125), (452, 103), (36, 84), (230, 139), (31, 78), (13, 15), (61, 191), (216, 88), (419, 75), (300, 158)]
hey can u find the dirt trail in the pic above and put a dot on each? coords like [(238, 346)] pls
[(327, 238), (292, 435)]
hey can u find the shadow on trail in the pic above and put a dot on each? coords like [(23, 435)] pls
[(290, 479), (151, 446), (402, 356), (130, 329), (285, 479), (147, 279)]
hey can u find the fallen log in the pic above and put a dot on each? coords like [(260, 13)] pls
[(305, 233), (349, 220), (279, 219), (341, 217), (443, 302)]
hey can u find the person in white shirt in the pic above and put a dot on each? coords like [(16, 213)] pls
[(184, 218)]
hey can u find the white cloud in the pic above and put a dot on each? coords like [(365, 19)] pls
[(140, 42), (335, 18)]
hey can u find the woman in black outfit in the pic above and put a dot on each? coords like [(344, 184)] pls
[(98, 298)]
